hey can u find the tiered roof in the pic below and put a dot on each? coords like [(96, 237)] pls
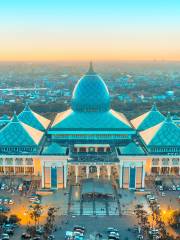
[(165, 134), (33, 119), (148, 119), (70, 120), (131, 149), (54, 149), (17, 133)]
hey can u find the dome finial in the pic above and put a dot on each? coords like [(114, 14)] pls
[(154, 107), (15, 118), (168, 118), (27, 108), (91, 70)]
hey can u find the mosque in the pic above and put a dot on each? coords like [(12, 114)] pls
[(89, 140)]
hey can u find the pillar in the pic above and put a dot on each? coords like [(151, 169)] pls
[(65, 168), (4, 169), (120, 176), (76, 172), (98, 171), (43, 175), (143, 174), (109, 172), (87, 171), (14, 166), (24, 165)]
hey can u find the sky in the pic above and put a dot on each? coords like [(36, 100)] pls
[(83, 30)]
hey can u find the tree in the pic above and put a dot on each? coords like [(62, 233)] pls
[(14, 219), (3, 218), (31, 230), (142, 217), (36, 213), (50, 222), (175, 219)]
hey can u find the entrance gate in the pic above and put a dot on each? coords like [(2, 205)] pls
[(53, 177), (132, 182)]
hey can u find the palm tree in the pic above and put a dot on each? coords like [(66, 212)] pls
[(36, 213), (50, 223)]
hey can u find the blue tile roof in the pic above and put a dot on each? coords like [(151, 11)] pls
[(91, 121), (16, 133), (131, 149), (54, 149), (163, 134), (148, 119), (33, 119)]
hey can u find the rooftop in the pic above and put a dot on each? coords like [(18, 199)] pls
[(17, 133), (131, 149), (33, 119), (90, 93), (90, 120), (148, 119), (165, 134)]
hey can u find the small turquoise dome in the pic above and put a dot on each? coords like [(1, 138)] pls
[(91, 93)]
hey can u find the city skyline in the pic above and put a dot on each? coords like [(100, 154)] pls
[(83, 31)]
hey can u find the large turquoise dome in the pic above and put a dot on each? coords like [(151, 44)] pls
[(91, 93)]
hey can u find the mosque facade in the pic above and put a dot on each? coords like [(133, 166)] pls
[(89, 140)]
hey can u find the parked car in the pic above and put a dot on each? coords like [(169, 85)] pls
[(3, 186), (140, 237), (11, 201), (25, 236), (5, 236), (163, 194), (4, 209), (79, 229), (5, 201), (111, 229), (51, 237)]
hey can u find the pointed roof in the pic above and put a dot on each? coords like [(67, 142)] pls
[(17, 133), (165, 134), (33, 119), (131, 149), (54, 149), (4, 120), (4, 117), (148, 119), (91, 120)]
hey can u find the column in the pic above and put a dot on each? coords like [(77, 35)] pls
[(120, 176), (14, 166), (65, 169), (98, 171), (76, 172), (87, 171), (24, 165), (143, 174), (4, 166), (109, 172), (43, 175)]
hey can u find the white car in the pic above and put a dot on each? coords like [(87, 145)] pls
[(163, 194), (11, 201), (6, 200), (153, 231), (3, 186)]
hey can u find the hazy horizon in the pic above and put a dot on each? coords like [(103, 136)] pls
[(90, 30)]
